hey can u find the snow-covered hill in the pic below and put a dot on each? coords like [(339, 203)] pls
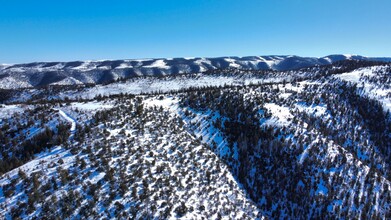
[(96, 72), (141, 165), (312, 143)]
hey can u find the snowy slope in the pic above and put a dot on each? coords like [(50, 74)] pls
[(314, 154), (373, 81), (141, 165)]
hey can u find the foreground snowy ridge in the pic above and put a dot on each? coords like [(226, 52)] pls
[(182, 176)]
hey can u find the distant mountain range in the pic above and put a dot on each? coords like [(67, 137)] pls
[(81, 72)]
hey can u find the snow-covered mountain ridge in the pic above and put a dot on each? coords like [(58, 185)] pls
[(96, 72), (230, 143)]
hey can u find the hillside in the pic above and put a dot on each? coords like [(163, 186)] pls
[(143, 164), (309, 143)]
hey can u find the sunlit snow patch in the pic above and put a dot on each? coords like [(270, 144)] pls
[(371, 90), (6, 111), (280, 115), (89, 106), (316, 110), (158, 64)]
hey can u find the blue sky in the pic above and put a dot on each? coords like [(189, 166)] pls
[(90, 30)]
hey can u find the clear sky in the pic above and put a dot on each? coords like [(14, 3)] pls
[(92, 30)]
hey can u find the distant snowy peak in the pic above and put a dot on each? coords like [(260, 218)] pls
[(76, 72), (340, 57), (3, 66)]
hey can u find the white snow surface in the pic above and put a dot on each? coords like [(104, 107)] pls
[(206, 131), (371, 90), (69, 119), (6, 111), (68, 81), (11, 83), (158, 64), (151, 84), (317, 110), (91, 105), (280, 115)]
